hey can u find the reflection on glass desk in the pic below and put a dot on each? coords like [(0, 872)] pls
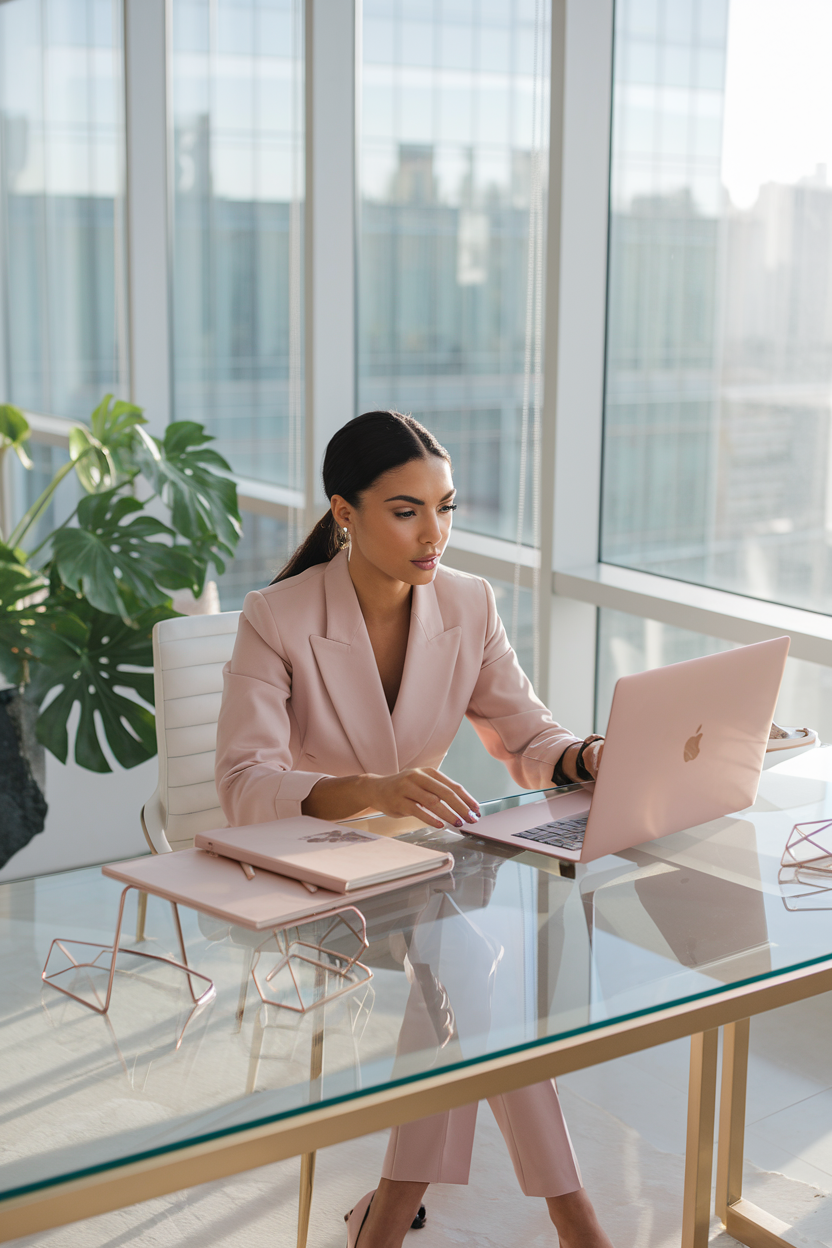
[(508, 955)]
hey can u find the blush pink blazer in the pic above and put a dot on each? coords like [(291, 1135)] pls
[(303, 698)]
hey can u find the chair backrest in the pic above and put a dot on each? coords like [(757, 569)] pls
[(189, 654)]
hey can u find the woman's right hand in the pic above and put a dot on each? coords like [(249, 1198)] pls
[(425, 793)]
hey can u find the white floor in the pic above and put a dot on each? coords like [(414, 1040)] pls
[(628, 1123)]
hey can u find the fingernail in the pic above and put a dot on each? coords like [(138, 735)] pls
[(458, 823), (472, 816)]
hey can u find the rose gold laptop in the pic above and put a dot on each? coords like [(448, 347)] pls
[(685, 744)]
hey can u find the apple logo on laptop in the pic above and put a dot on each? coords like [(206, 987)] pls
[(692, 745)]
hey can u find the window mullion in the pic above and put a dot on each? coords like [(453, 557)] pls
[(574, 345), (331, 84), (148, 250)]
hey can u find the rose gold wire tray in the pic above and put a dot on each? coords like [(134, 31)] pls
[(97, 963), (330, 964), (809, 848), (805, 874)]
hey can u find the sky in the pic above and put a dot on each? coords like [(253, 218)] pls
[(778, 94)]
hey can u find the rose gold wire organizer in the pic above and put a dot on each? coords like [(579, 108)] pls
[(347, 971), (66, 946), (805, 874), (295, 953)]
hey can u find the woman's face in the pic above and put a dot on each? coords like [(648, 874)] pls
[(403, 522)]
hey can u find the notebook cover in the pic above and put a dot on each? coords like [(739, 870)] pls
[(332, 855)]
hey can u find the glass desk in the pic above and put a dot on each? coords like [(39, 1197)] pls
[(544, 974)]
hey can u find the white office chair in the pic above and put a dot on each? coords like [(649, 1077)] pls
[(189, 654)]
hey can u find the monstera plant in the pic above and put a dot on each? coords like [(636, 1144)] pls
[(78, 604)]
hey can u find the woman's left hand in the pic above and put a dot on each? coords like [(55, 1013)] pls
[(592, 755)]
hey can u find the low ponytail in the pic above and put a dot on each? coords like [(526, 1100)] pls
[(359, 453), (319, 546)]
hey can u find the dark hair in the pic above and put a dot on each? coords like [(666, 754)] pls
[(357, 455)]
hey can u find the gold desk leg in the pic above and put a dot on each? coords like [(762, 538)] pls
[(141, 915), (307, 1180), (248, 961), (743, 1220), (732, 1115), (699, 1152), (307, 1161), (254, 1054)]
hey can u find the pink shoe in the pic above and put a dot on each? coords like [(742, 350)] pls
[(356, 1218)]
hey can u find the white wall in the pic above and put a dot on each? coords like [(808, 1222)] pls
[(92, 818)]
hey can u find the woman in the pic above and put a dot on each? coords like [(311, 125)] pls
[(350, 677)]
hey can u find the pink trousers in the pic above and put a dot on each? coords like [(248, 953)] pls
[(451, 966), (438, 1149)]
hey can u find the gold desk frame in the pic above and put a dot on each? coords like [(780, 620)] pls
[(177, 1168), (742, 1219)]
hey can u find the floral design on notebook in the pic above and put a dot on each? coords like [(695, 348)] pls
[(335, 836)]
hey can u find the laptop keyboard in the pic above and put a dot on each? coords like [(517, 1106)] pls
[(561, 834)]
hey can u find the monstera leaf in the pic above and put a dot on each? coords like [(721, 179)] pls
[(16, 621), (203, 505), (87, 655), (104, 453), (94, 465), (114, 424), (109, 558), (14, 431)]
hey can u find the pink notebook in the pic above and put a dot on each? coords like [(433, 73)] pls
[(327, 854)]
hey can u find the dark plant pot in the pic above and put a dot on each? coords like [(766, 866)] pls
[(22, 774)]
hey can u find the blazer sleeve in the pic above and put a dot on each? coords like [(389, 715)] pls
[(510, 720), (253, 769)]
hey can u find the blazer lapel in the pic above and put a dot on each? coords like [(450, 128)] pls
[(348, 669), (428, 671)]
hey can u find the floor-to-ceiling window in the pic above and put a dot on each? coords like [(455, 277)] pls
[(717, 446), (452, 159), (62, 242), (719, 348), (237, 192)]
